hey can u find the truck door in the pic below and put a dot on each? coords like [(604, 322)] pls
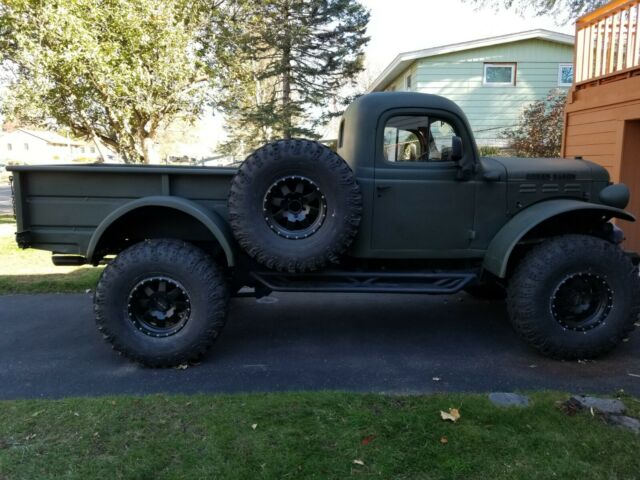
[(420, 207)]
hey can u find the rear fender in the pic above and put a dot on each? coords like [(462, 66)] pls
[(501, 247), (211, 220)]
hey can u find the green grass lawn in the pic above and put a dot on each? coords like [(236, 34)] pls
[(31, 271), (6, 219), (309, 435)]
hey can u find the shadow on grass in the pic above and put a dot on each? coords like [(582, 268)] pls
[(79, 280)]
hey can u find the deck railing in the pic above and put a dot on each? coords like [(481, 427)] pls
[(607, 42)]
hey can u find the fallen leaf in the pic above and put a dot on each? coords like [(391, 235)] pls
[(184, 366), (254, 426), (359, 462), (76, 414), (113, 402), (444, 440), (633, 375), (593, 414), (436, 379), (453, 415), (35, 414), (88, 290), (533, 365), (367, 440), (30, 437)]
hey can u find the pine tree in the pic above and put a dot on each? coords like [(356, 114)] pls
[(287, 68)]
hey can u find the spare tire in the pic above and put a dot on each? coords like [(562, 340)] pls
[(294, 205)]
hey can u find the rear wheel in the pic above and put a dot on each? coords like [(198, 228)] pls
[(574, 296), (161, 302)]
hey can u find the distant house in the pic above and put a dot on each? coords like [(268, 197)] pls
[(36, 147), (492, 79)]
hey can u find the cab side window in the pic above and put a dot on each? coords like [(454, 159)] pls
[(441, 134), (417, 139)]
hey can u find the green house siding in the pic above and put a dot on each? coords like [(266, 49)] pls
[(490, 109)]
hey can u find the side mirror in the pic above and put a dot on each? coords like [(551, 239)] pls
[(456, 149), (466, 164)]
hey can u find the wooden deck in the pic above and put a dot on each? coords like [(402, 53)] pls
[(602, 118)]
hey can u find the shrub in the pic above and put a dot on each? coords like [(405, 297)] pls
[(539, 132), (489, 151)]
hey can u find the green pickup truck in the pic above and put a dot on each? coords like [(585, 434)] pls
[(405, 205)]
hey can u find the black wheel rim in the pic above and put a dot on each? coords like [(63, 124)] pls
[(294, 207), (582, 301), (159, 306)]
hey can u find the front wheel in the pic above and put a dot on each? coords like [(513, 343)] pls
[(574, 297), (161, 302)]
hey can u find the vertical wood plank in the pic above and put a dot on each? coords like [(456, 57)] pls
[(636, 48), (580, 49), (630, 37), (611, 51), (622, 39), (599, 43)]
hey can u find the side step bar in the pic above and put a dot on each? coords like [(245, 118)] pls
[(68, 260), (370, 282)]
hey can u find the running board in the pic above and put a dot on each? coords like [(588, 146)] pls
[(369, 282)]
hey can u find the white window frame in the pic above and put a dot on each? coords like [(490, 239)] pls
[(512, 83), (560, 67)]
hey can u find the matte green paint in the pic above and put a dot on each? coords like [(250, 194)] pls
[(502, 245), (214, 223)]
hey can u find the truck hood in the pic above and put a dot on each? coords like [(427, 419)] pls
[(520, 169)]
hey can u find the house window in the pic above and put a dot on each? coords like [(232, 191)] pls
[(9, 147), (565, 74), (499, 74), (93, 149), (26, 147), (408, 82)]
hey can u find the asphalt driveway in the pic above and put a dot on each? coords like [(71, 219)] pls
[(5, 199), (49, 347)]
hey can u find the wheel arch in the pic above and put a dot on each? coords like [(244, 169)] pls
[(501, 248), (210, 221)]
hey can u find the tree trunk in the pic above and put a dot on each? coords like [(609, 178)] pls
[(96, 142), (286, 79), (149, 151)]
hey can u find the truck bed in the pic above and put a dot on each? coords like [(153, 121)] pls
[(58, 207)]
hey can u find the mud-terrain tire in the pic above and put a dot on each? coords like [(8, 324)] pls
[(295, 206), (574, 297), (487, 291), (161, 303)]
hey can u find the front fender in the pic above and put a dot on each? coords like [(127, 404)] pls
[(211, 220), (502, 245)]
